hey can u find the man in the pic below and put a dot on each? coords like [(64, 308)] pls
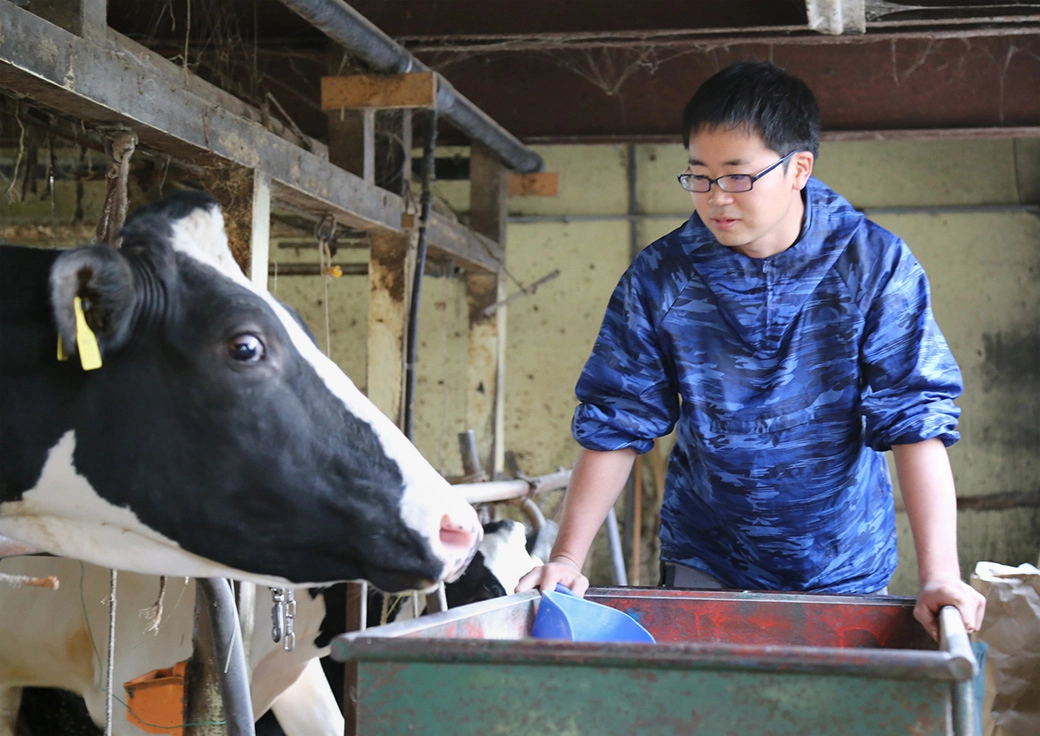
[(790, 342)]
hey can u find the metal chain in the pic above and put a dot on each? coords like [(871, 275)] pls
[(283, 612)]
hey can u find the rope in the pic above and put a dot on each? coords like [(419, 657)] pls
[(120, 147), (153, 614), (324, 231), (97, 658), (21, 581)]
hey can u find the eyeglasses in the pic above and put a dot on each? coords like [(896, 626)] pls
[(730, 183)]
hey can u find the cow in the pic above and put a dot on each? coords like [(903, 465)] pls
[(196, 430), (57, 639)]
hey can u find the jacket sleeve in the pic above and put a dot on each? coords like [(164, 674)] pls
[(911, 378), (627, 390)]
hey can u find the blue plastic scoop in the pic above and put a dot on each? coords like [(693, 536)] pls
[(563, 615)]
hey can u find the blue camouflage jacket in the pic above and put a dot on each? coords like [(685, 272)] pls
[(785, 378)]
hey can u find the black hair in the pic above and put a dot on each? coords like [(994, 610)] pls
[(761, 98)]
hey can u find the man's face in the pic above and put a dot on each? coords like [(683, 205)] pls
[(763, 221)]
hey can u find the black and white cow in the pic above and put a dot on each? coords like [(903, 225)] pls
[(58, 639), (215, 440), (50, 639)]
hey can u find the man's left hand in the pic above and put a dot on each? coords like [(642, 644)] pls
[(938, 593)]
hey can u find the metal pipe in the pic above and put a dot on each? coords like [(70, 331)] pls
[(470, 455), (954, 640), (533, 514), (230, 657), (360, 37), (506, 490), (617, 557)]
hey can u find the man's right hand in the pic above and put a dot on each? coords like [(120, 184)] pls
[(559, 570)]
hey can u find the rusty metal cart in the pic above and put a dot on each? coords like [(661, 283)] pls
[(725, 663)]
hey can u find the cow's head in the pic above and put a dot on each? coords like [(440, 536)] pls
[(221, 429)]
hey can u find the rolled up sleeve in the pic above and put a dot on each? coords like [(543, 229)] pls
[(911, 377), (627, 390)]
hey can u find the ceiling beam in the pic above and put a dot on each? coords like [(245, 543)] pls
[(967, 79)]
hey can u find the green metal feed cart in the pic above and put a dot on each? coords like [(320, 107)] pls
[(725, 663)]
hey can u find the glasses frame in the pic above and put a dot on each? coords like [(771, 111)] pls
[(684, 178)]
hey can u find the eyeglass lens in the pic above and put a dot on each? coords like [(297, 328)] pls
[(730, 183)]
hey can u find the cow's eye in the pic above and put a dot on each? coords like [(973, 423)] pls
[(246, 348)]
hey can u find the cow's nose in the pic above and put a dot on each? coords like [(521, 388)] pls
[(461, 538)]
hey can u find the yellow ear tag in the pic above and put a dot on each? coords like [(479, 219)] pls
[(63, 354), (86, 342)]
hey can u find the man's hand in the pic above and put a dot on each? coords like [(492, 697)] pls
[(558, 570), (938, 593)]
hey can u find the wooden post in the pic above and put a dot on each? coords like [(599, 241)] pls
[(260, 237), (352, 103), (387, 316), (486, 360), (352, 137), (85, 18), (352, 142)]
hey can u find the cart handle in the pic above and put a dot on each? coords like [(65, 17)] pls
[(953, 639)]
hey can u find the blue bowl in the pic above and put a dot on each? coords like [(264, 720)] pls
[(563, 615)]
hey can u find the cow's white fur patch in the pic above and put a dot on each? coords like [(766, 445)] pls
[(505, 554), (428, 497), (65, 516)]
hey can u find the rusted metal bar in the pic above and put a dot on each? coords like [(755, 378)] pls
[(529, 289), (999, 501), (470, 456)]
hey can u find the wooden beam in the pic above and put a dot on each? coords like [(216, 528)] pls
[(100, 84), (176, 113), (487, 334), (447, 238), (542, 184), (384, 91)]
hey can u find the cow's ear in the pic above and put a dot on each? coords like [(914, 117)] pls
[(101, 278)]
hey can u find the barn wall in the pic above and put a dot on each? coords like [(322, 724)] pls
[(983, 265)]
